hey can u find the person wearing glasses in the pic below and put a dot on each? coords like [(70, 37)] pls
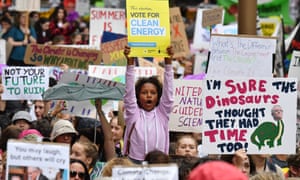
[(78, 170)]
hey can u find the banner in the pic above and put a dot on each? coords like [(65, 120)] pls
[(105, 19), (258, 115), (186, 115), (28, 5), (55, 56), (241, 56), (24, 82), (47, 160), (148, 27), (179, 39)]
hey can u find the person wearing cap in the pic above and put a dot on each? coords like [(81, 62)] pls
[(22, 119), (63, 132)]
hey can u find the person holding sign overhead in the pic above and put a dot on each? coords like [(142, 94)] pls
[(19, 36), (147, 109)]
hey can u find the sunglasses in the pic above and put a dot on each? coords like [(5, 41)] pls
[(80, 174)]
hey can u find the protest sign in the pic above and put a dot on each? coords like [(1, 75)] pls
[(294, 72), (212, 17), (24, 82), (270, 26), (151, 172), (187, 110), (113, 52), (178, 35), (48, 158), (148, 28), (55, 56), (28, 5), (105, 19), (241, 56), (82, 7), (258, 115), (3, 51)]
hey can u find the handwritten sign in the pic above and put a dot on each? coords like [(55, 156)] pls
[(178, 35), (113, 52), (105, 19), (241, 56), (45, 156), (24, 82), (28, 5), (55, 56), (148, 27), (153, 172), (212, 17), (258, 115), (82, 7), (187, 110)]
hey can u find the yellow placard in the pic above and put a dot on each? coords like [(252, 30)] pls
[(148, 27)]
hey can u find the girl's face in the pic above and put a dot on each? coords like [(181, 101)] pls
[(117, 130), (45, 26), (23, 19), (148, 96), (187, 147), (77, 171), (60, 14), (78, 152)]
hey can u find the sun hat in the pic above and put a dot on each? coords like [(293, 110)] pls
[(22, 115), (62, 127), (31, 135)]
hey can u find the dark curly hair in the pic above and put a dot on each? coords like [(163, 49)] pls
[(143, 80)]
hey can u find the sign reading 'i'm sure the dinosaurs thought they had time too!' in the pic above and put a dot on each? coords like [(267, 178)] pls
[(256, 114)]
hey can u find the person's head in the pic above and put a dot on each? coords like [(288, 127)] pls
[(58, 39), (294, 165), (277, 112), (157, 157), (42, 24), (31, 135), (59, 14), (63, 132), (186, 145), (76, 38), (148, 92), (22, 119), (5, 23), (20, 19), (78, 170), (107, 170), (10, 132), (244, 165), (33, 172), (85, 151), (117, 128), (39, 109)]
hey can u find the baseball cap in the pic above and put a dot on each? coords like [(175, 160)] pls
[(22, 115)]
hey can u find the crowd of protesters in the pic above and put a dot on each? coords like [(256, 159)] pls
[(136, 133)]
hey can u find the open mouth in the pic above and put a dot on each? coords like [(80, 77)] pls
[(148, 102)]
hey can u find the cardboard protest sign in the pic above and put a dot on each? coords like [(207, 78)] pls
[(3, 51), (28, 5), (113, 52), (241, 56), (55, 56), (212, 17), (187, 110), (105, 19), (24, 82), (178, 35), (145, 63), (258, 115), (50, 159), (151, 172), (148, 28)]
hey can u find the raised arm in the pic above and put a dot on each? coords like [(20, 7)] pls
[(109, 145), (170, 51), (130, 60)]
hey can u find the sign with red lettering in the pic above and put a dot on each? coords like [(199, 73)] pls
[(76, 58), (187, 111), (255, 114), (178, 35), (113, 52), (105, 19)]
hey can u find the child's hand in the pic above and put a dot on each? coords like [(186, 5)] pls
[(130, 60), (170, 51)]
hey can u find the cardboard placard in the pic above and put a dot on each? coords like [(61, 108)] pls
[(212, 17), (28, 5), (55, 56), (113, 52)]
